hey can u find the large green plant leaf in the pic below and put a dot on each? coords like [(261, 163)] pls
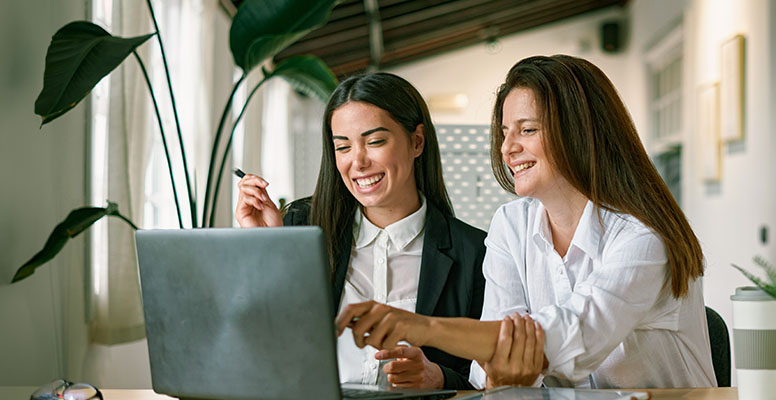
[(308, 74), (80, 54), (262, 28), (76, 222)]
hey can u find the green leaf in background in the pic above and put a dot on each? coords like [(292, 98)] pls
[(767, 267), (308, 74), (770, 289), (75, 223), (263, 28), (80, 54)]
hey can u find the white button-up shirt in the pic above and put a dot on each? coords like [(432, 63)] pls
[(385, 267), (607, 310)]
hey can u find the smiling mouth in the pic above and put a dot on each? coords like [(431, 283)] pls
[(371, 181), (523, 166)]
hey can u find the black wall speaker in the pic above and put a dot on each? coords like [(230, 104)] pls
[(611, 36)]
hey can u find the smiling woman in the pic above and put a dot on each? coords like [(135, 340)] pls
[(392, 238)]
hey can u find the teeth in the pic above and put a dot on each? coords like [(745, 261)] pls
[(524, 166), (366, 182)]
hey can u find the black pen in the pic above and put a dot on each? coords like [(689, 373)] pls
[(239, 173)]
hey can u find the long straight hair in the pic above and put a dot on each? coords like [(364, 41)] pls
[(592, 142), (333, 206)]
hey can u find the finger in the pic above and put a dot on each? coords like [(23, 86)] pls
[(350, 312), (504, 343), (539, 351), (253, 180), (374, 323), (253, 191), (396, 333), (407, 379), (396, 352), (518, 338), (253, 202), (403, 366), (530, 342)]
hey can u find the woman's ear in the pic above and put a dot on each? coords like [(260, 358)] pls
[(418, 140)]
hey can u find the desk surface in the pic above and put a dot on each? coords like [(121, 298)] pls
[(22, 392)]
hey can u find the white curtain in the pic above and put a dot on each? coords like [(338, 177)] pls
[(136, 175)]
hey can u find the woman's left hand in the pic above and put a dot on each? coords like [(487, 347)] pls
[(382, 326), (519, 356), (411, 369)]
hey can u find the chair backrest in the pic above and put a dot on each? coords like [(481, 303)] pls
[(720, 347)]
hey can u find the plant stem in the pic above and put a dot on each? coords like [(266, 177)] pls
[(226, 150), (164, 140), (125, 219), (214, 150), (192, 200)]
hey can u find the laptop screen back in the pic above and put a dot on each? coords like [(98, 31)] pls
[(238, 313)]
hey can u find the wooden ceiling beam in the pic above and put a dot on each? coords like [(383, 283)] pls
[(347, 50), (412, 50)]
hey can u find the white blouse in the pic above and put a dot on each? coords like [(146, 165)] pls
[(385, 267), (607, 310)]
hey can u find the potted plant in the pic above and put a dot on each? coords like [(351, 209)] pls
[(81, 53), (754, 334)]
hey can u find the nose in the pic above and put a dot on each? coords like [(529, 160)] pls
[(511, 145), (361, 158)]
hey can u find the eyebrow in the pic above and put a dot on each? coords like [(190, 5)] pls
[(522, 120), (367, 133)]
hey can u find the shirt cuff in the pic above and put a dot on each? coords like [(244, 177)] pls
[(477, 376), (563, 341)]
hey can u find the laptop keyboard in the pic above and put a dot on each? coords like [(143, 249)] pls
[(350, 393)]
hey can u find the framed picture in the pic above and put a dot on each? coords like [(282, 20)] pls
[(708, 132), (732, 89)]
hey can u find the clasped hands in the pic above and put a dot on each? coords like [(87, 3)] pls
[(518, 357)]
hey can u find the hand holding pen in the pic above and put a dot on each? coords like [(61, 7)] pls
[(254, 207)]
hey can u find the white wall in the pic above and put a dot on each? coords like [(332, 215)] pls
[(42, 175), (728, 216)]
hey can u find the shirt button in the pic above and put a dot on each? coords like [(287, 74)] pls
[(560, 271), (374, 366), (381, 261)]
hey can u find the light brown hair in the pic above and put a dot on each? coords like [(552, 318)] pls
[(592, 142)]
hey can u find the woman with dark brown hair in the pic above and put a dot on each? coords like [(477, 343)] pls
[(388, 222), (595, 251)]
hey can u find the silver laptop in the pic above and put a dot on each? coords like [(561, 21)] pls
[(243, 314)]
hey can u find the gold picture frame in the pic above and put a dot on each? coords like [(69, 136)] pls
[(731, 89), (709, 133)]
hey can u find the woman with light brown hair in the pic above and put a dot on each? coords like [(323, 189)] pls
[(595, 251)]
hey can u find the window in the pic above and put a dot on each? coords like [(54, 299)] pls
[(664, 65)]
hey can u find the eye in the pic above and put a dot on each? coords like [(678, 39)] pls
[(341, 148), (376, 142), (528, 131)]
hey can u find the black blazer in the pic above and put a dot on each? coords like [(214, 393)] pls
[(451, 281)]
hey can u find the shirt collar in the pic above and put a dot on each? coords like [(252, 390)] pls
[(542, 236), (401, 232), (587, 236), (589, 230)]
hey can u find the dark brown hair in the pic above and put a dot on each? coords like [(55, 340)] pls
[(333, 206), (592, 142)]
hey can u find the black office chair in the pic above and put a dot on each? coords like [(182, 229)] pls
[(720, 347)]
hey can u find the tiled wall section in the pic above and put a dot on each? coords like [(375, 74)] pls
[(475, 194)]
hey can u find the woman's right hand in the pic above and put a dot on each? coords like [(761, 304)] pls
[(519, 355), (254, 207)]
